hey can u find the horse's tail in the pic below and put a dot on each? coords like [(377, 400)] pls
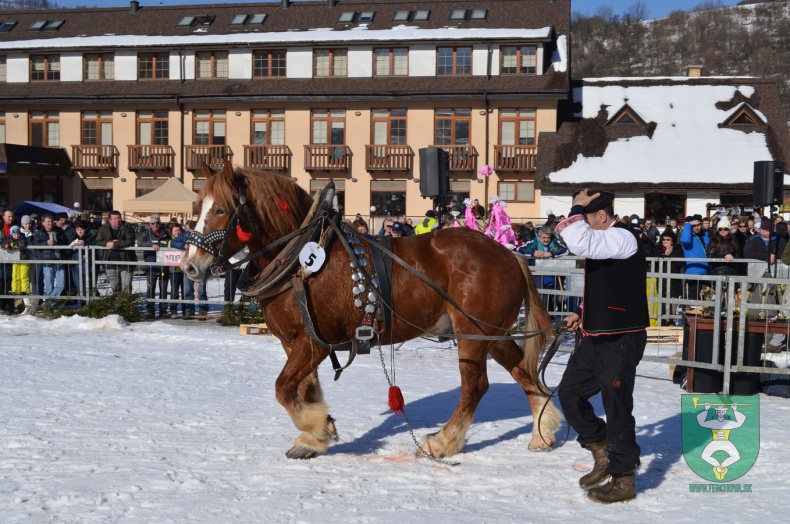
[(536, 318)]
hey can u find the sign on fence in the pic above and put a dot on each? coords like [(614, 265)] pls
[(172, 258)]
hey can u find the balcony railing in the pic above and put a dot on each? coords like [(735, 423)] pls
[(462, 158), (388, 158), (151, 157), (515, 158), (261, 156), (327, 158), (214, 156), (99, 158)]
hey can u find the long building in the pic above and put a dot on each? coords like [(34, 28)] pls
[(348, 91)]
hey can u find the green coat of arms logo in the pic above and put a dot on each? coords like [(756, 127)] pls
[(720, 434)]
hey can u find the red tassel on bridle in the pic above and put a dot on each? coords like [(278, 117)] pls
[(243, 235), (395, 400)]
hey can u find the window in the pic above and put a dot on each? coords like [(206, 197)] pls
[(146, 185), (517, 191), (268, 63), (478, 14), (625, 116), (99, 67), (153, 66), (209, 127), (5, 27), (366, 16), (3, 69), (346, 16), (97, 194), (663, 207), (517, 126), (420, 16), (452, 126), (331, 62), (268, 127), (45, 68), (518, 60), (97, 128), (152, 128), (186, 21), (44, 128), (328, 126), (211, 64), (38, 25), (401, 16), (53, 25), (458, 14), (391, 61), (388, 126), (454, 61), (257, 19), (744, 116), (388, 197), (48, 189), (239, 20)]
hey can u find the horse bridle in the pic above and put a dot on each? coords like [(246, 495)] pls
[(209, 241)]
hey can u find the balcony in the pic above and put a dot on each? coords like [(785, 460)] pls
[(515, 158), (269, 157), (93, 158), (151, 157), (462, 158), (388, 158), (327, 158), (214, 156)]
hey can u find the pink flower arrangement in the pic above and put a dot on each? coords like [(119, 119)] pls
[(486, 170)]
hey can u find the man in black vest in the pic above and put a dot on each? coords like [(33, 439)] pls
[(612, 318)]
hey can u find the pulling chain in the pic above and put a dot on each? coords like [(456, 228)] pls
[(422, 450)]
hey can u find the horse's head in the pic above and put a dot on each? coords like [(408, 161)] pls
[(237, 209)]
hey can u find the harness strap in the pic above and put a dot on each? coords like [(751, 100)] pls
[(383, 268)]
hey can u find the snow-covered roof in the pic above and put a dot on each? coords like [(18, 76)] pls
[(325, 35), (685, 143)]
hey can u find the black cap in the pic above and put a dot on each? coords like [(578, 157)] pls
[(696, 217), (602, 201), (397, 227), (430, 213)]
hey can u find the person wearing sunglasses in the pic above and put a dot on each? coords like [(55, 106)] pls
[(156, 276), (724, 248), (668, 247)]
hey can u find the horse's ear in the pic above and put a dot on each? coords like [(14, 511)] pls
[(207, 170), (228, 174)]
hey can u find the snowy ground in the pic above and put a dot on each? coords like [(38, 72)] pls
[(176, 421)]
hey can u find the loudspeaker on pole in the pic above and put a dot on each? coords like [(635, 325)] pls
[(434, 172), (768, 186)]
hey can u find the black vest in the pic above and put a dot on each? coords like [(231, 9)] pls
[(615, 296)]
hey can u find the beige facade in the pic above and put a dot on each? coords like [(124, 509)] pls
[(120, 163)]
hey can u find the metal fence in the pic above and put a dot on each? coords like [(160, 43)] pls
[(560, 282)]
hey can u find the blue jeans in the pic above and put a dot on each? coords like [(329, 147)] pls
[(189, 294), (54, 279)]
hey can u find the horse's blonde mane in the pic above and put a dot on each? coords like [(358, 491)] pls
[(268, 192)]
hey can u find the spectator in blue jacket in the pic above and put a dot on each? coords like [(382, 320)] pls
[(694, 240), (189, 284), (546, 246)]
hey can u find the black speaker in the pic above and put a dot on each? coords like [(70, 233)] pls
[(434, 172), (768, 188)]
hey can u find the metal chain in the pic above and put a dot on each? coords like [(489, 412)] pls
[(425, 453)]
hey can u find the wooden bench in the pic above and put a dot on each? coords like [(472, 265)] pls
[(253, 329)]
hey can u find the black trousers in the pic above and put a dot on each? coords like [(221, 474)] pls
[(157, 276), (605, 365)]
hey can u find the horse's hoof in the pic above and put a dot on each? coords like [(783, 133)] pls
[(538, 444), (331, 429), (301, 452)]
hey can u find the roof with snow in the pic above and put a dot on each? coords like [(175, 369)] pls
[(660, 133)]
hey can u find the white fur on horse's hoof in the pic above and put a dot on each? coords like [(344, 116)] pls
[(432, 446), (301, 452), (331, 429), (538, 444)]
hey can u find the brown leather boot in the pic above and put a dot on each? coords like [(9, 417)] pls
[(598, 473), (620, 488)]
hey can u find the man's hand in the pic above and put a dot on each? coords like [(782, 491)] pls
[(584, 197), (572, 322)]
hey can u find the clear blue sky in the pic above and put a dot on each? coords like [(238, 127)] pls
[(656, 8)]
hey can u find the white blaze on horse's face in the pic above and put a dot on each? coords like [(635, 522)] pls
[(196, 264)]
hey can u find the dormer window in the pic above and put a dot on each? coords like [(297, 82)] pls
[(54, 25), (257, 19), (205, 20), (186, 21), (239, 20), (38, 25), (421, 16), (743, 116), (5, 27), (626, 116), (401, 16), (366, 16), (346, 17)]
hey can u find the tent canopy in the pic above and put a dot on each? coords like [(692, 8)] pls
[(29, 207), (172, 198)]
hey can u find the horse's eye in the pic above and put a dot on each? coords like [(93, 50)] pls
[(219, 211)]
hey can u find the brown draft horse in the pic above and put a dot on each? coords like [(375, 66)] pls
[(486, 280)]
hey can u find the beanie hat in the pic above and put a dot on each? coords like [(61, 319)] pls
[(14, 229), (430, 213), (723, 223), (25, 220)]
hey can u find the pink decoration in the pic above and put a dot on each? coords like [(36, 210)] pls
[(496, 227), (486, 170), (471, 223)]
